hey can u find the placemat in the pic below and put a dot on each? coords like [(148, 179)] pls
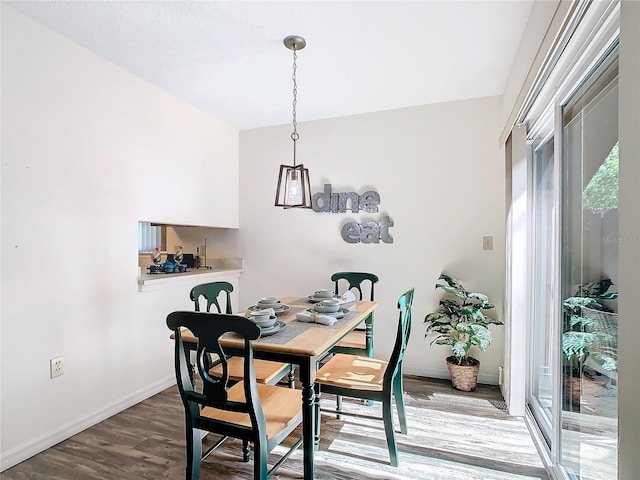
[(286, 334), (296, 327)]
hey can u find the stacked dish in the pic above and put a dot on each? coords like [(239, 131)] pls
[(329, 305), (266, 303), (321, 295), (266, 321), (262, 318), (269, 302)]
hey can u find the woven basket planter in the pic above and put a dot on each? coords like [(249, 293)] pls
[(573, 389), (463, 377)]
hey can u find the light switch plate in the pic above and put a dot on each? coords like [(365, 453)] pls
[(487, 243)]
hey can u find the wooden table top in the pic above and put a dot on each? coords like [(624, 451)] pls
[(313, 340)]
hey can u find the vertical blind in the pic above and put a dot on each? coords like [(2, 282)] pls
[(149, 237)]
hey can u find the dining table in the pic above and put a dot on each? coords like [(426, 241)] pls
[(303, 344)]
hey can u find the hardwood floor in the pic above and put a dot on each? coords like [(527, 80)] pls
[(452, 435)]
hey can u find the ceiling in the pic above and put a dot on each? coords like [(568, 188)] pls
[(227, 57)]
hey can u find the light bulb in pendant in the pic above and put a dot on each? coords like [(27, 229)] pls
[(294, 186)]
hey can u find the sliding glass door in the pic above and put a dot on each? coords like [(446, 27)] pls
[(573, 342), (589, 272)]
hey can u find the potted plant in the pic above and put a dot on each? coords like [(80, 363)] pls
[(591, 332), (461, 323)]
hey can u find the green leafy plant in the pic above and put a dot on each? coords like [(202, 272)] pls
[(587, 336), (597, 291), (460, 321)]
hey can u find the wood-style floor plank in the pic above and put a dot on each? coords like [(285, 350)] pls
[(452, 435)]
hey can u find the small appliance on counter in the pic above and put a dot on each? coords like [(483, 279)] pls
[(187, 259)]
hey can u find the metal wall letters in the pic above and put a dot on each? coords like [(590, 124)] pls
[(337, 202), (353, 232)]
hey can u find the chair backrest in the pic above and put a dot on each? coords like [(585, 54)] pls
[(402, 338), (211, 292), (209, 327), (356, 280)]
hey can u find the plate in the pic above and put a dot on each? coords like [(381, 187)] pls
[(277, 310), (270, 305), (314, 299), (265, 332), (339, 314), (272, 318)]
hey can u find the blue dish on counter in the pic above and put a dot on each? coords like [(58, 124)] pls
[(168, 267)]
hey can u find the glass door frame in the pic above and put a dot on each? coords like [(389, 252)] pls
[(547, 126)]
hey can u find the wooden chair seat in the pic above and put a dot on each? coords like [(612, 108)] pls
[(266, 371), (187, 336), (356, 339), (281, 407), (350, 371)]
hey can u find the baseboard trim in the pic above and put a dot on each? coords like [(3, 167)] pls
[(444, 374), (27, 450)]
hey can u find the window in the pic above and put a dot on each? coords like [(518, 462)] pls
[(150, 236), (544, 295)]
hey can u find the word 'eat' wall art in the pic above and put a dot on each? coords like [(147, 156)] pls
[(354, 232)]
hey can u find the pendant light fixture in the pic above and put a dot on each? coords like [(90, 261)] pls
[(293, 189)]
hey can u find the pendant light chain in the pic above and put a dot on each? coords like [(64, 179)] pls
[(294, 135), (294, 189)]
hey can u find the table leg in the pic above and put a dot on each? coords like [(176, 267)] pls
[(369, 345), (307, 378), (369, 335)]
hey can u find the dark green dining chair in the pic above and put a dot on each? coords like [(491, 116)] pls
[(258, 414), (371, 379), (266, 371), (360, 340), (211, 293)]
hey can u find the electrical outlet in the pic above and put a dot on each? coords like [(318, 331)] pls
[(57, 367)]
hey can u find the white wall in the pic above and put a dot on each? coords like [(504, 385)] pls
[(439, 172), (88, 150), (517, 260)]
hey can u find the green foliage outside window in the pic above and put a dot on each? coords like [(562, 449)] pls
[(602, 191)]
